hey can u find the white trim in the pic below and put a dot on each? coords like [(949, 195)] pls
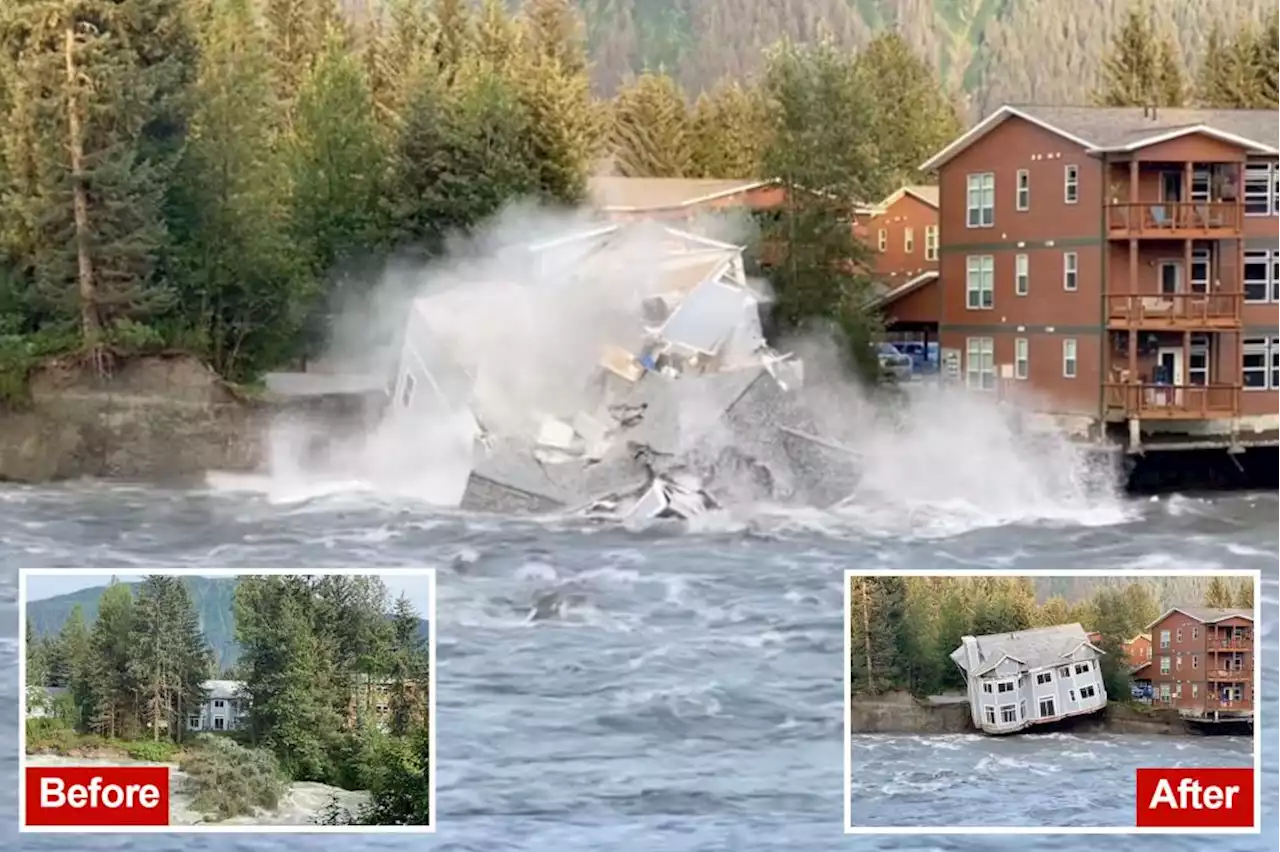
[(1178, 133), (990, 123), (1073, 359), (897, 196), (996, 664), (903, 289), (1021, 358), (1021, 274), (1018, 189), (1069, 270), (882, 240), (1070, 181)]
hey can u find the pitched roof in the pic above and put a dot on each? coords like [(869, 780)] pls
[(1039, 647), (1126, 128), (1205, 614), (883, 294), (623, 194), (224, 688), (923, 192)]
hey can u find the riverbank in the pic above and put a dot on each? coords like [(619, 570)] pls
[(902, 713), (301, 803)]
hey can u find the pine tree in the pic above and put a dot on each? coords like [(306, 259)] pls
[(650, 134), (876, 618), (71, 664), (409, 670), (1131, 72), (728, 130), (1268, 62), (296, 32), (1244, 595), (1172, 89), (237, 273), (110, 681), (1218, 594), (1053, 612)]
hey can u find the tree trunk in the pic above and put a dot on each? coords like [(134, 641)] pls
[(866, 632), (90, 324)]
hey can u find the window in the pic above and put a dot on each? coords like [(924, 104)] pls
[(1195, 661), (218, 704), (1022, 709), (1082, 668), (1260, 363), (1021, 369), (980, 200), (1070, 270), (1044, 677), (1200, 271), (1177, 662), (193, 721), (1257, 275), (406, 393), (979, 282), (1195, 632), (1069, 358), (1195, 690), (1008, 714), (931, 242), (1164, 692), (1198, 369), (986, 687), (980, 363), (1064, 673), (883, 239), (1164, 638), (1164, 665), (1021, 274), (1047, 708), (1071, 695), (219, 723), (1258, 191), (908, 240), (1178, 635), (1004, 686), (1023, 201), (1071, 184), (1200, 185), (991, 715)]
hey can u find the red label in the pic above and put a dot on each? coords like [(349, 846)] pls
[(97, 795), (1195, 798)]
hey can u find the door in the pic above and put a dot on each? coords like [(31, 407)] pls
[(1170, 277), (1169, 372), (1171, 186)]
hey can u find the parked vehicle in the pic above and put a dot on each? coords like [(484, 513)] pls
[(894, 365), (924, 356)]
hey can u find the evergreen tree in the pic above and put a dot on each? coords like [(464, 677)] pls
[(110, 682), (296, 34), (71, 664), (170, 660), (727, 131), (1244, 595), (1172, 89), (36, 658), (1267, 62), (650, 134), (825, 157), (409, 670), (237, 273), (1131, 71), (877, 609), (1053, 612), (1218, 594)]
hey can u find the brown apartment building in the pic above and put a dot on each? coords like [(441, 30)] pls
[(1116, 265), (902, 232), (1202, 663)]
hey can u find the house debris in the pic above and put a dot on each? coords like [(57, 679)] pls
[(681, 395)]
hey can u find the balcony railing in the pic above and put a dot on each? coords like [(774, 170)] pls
[(1175, 310), (1173, 218), (1173, 402), (1231, 643), (1211, 703)]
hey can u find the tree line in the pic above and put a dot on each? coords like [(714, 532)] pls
[(1238, 67), (320, 654), (904, 629), (221, 176)]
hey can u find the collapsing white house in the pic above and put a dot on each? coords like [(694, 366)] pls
[(621, 354), (1030, 677)]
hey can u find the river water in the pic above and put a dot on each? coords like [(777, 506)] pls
[(670, 689)]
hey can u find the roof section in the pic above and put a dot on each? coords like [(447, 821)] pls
[(1037, 648), (883, 295), (1205, 614), (623, 194), (1128, 128)]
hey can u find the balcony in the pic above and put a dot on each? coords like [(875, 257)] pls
[(1227, 675), (1174, 311), (1236, 644), (1238, 705), (1172, 402), (1175, 220)]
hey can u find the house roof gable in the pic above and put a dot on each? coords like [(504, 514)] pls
[(889, 295), (1203, 614)]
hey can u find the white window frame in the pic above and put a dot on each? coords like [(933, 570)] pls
[(1008, 714), (908, 240), (1022, 193), (1202, 350), (930, 242), (1166, 667), (1021, 358), (1198, 280), (1089, 689), (1070, 271), (990, 713), (1053, 707), (1083, 668), (980, 200), (1043, 678), (1263, 192), (1021, 274), (980, 363), (1201, 186), (1267, 352), (980, 282), (1070, 184), (1164, 638), (1264, 259), (883, 240)]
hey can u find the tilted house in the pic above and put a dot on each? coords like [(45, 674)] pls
[(1029, 677)]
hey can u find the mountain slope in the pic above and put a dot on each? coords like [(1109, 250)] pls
[(213, 598)]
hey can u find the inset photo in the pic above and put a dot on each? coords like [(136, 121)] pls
[(255, 701), (1074, 702)]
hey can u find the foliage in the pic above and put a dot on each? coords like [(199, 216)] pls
[(227, 780), (650, 132)]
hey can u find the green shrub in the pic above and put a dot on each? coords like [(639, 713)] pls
[(151, 752), (228, 780)]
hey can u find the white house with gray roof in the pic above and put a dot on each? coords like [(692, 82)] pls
[(1029, 677), (225, 708)]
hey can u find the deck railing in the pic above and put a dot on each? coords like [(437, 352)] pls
[(1175, 309), (1170, 217), (1173, 402)]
